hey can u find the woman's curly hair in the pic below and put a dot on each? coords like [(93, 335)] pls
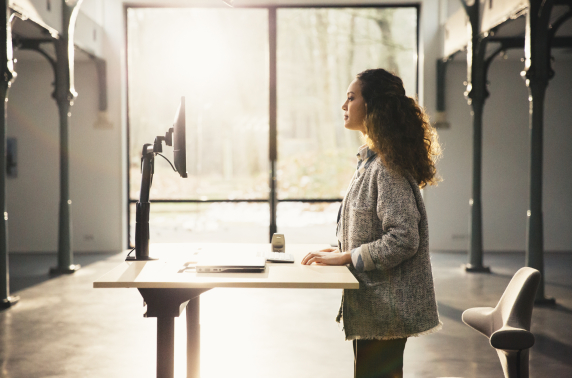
[(397, 128)]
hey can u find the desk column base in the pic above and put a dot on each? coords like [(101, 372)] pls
[(476, 268), (9, 302), (70, 269)]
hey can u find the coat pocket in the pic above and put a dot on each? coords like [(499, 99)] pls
[(376, 277)]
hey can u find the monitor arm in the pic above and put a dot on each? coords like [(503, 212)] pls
[(143, 207)]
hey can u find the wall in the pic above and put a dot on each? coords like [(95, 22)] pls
[(96, 165), (32, 198), (505, 161)]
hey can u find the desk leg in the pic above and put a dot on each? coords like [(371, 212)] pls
[(193, 338), (165, 347), (166, 305)]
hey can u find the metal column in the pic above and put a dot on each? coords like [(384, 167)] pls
[(476, 95), (537, 73), (64, 96), (8, 76)]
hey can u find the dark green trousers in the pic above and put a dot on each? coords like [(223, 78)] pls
[(378, 358)]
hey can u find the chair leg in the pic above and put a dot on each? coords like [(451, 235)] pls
[(514, 363)]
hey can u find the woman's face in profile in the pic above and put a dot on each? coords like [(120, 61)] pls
[(354, 108)]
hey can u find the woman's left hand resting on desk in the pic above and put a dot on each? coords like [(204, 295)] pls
[(328, 256)]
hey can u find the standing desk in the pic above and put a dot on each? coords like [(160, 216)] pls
[(167, 288)]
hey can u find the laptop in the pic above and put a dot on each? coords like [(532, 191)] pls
[(230, 263)]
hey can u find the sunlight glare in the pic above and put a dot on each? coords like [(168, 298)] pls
[(199, 53), (222, 323)]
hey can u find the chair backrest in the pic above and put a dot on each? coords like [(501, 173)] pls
[(515, 306)]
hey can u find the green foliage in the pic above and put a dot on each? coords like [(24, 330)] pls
[(315, 174)]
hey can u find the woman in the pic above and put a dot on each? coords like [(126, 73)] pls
[(382, 226)]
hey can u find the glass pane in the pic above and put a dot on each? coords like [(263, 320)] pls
[(219, 222), (319, 53), (308, 223), (218, 60)]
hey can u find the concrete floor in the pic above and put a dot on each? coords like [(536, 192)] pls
[(62, 327)]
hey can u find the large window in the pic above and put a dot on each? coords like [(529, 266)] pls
[(219, 60), (320, 50)]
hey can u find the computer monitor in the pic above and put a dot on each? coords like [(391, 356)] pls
[(179, 140)]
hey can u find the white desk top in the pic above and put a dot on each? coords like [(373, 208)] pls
[(164, 273)]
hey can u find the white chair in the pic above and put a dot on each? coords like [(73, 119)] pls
[(508, 324)]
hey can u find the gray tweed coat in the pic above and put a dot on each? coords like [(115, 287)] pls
[(383, 212)]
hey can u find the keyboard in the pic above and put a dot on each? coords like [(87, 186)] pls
[(277, 257)]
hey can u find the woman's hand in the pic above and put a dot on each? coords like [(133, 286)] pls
[(328, 256)]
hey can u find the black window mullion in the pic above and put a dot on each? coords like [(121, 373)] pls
[(272, 114)]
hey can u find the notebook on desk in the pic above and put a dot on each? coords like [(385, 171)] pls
[(230, 263)]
